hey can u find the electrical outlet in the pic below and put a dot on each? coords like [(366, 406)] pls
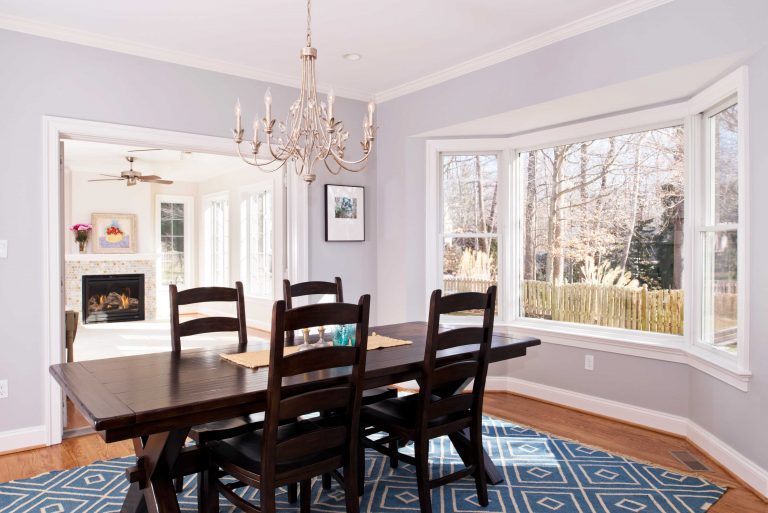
[(3, 249), (3, 388), (589, 362)]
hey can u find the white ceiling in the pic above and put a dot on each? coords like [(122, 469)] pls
[(405, 44), (96, 157)]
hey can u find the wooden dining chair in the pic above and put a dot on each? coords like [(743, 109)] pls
[(326, 379), (331, 287), (205, 433), (440, 407)]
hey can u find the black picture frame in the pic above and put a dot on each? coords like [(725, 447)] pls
[(339, 229)]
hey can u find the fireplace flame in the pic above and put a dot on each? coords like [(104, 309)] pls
[(125, 300)]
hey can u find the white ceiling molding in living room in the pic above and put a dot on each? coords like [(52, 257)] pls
[(406, 46)]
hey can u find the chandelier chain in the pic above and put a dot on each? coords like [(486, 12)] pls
[(309, 22)]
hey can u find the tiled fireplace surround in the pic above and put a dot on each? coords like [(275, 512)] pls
[(75, 266)]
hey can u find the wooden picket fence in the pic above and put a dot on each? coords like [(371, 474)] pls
[(618, 307)]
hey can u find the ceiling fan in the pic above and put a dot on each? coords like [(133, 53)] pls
[(133, 177)]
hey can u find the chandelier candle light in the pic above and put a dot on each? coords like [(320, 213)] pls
[(310, 133)]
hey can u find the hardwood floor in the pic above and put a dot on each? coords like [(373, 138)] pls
[(635, 442)]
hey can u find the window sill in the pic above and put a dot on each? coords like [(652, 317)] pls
[(668, 348)]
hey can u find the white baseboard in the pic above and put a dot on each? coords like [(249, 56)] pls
[(17, 439), (738, 464)]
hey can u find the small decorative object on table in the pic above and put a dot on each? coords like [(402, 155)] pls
[(344, 335), (81, 231), (305, 345), (321, 340)]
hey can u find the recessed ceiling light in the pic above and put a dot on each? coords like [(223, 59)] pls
[(352, 56)]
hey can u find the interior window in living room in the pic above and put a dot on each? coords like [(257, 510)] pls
[(602, 227)]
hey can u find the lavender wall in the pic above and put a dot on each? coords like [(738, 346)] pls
[(45, 77), (668, 37)]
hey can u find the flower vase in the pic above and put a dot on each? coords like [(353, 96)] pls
[(81, 245)]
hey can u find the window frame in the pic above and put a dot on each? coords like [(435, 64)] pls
[(733, 370), (208, 199), (246, 193), (189, 236), (434, 230)]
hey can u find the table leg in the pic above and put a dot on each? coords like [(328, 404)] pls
[(155, 492), (461, 442)]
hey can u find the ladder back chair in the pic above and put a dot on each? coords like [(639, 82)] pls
[(290, 448), (440, 407), (205, 433), (207, 324)]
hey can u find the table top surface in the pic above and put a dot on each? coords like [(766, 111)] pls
[(154, 391)]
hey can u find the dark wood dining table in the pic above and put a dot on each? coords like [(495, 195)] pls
[(155, 399)]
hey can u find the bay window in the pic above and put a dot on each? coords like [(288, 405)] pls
[(624, 233)]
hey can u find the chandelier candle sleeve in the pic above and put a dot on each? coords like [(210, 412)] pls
[(310, 133)]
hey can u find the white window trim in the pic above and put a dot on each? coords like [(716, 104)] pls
[(277, 262), (189, 235), (672, 348), (207, 200)]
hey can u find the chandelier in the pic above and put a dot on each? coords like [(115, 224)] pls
[(310, 134)]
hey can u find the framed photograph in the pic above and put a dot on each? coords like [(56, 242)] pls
[(344, 213), (114, 233)]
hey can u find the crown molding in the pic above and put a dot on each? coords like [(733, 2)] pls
[(571, 29), (574, 28), (85, 38)]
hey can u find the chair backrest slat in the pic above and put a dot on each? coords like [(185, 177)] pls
[(207, 324), (342, 367), (460, 337), (442, 383), (302, 404), (304, 445), (321, 314), (454, 372), (308, 361), (206, 295)]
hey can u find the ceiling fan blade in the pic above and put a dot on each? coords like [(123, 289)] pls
[(149, 178), (164, 182), (111, 176), (107, 180), (145, 149)]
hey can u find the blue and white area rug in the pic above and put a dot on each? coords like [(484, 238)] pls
[(543, 474)]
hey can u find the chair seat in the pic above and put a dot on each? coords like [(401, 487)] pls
[(228, 428), (401, 412), (374, 395), (244, 451)]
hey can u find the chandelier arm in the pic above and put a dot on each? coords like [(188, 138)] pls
[(342, 161), (262, 166)]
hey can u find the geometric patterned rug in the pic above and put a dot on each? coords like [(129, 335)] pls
[(543, 474)]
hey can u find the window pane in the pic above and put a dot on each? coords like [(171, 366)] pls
[(725, 161), (469, 264), (720, 292), (602, 229), (172, 243), (469, 193)]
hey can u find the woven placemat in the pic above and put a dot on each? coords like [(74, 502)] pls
[(256, 359)]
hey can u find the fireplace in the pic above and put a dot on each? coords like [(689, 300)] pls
[(113, 298)]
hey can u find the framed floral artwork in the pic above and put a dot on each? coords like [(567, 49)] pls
[(344, 213), (114, 233)]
